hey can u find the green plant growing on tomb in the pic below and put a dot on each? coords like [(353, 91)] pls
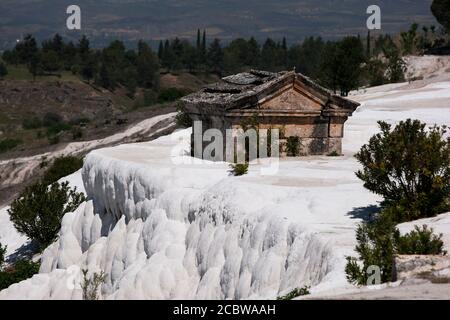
[(238, 169), (293, 146), (90, 285), (182, 118), (297, 292), (333, 154)]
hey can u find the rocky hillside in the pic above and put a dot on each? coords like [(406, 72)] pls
[(73, 99)]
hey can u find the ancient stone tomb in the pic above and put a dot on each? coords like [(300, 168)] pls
[(300, 109)]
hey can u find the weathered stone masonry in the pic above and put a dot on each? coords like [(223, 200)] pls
[(287, 101)]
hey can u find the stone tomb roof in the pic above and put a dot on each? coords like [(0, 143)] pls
[(245, 90)]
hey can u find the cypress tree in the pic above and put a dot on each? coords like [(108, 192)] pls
[(198, 39), (160, 50), (204, 43)]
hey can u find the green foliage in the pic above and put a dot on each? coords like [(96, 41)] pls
[(38, 211), (375, 248), (396, 67), (409, 167), (215, 57), (297, 292), (62, 167), (342, 65), (378, 243), (293, 146), (8, 144), (170, 95), (409, 39), (21, 270), (238, 169), (419, 241), (182, 118), (77, 133), (51, 119), (32, 123), (90, 285), (3, 70), (2, 255), (441, 11), (333, 154)]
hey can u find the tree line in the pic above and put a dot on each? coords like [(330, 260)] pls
[(341, 65)]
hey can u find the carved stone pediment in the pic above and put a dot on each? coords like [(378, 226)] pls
[(292, 99)]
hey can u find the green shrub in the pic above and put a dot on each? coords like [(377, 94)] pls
[(52, 140), (77, 133), (239, 169), (9, 144), (409, 167), (62, 167), (333, 154), (297, 292), (379, 241), (2, 255), (182, 119), (57, 128), (375, 247), (170, 94), (293, 146), (419, 241), (21, 270), (38, 211), (32, 123), (90, 285), (51, 119), (3, 70)]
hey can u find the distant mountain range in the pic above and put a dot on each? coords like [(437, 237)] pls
[(152, 20)]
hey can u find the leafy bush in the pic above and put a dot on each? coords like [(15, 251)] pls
[(62, 167), (77, 133), (378, 243), (32, 123), (52, 140), (51, 119), (2, 255), (39, 210), (239, 169), (293, 146), (409, 167), (3, 70), (375, 248), (419, 241), (8, 144), (333, 154), (57, 128), (170, 94), (297, 292), (21, 270)]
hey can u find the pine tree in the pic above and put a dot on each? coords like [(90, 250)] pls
[(215, 57)]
